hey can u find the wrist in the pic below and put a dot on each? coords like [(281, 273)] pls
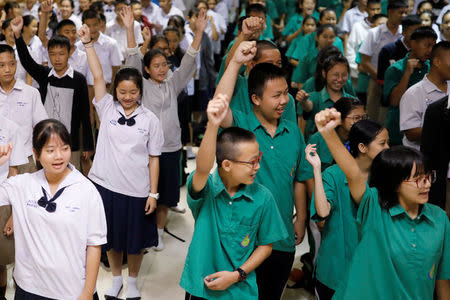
[(154, 195)]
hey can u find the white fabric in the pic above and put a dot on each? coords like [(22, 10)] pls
[(10, 133), (357, 35), (222, 9), (108, 11), (119, 33), (376, 39), (33, 11), (351, 16), (221, 28), (74, 18), (122, 154), (23, 104), (413, 105), (51, 247), (78, 61), (441, 15), (108, 53), (68, 72), (154, 15), (172, 12)]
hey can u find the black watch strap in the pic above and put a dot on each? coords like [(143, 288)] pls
[(242, 274)]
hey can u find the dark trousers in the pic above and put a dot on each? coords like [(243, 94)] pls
[(324, 292), (24, 295), (190, 297), (273, 273)]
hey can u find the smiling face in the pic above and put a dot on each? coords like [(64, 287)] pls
[(308, 7), (326, 38), (355, 114), (70, 32), (158, 68), (54, 156), (336, 77), (328, 18), (8, 66), (66, 9), (128, 94), (426, 19), (412, 193), (31, 29), (244, 173), (274, 99)]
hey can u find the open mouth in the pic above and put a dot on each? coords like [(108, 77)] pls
[(58, 165)]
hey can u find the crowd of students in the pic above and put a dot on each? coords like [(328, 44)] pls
[(328, 116)]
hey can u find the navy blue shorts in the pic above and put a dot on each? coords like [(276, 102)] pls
[(169, 178), (129, 229)]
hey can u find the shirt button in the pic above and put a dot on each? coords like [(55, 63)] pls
[(414, 245), (271, 147), (231, 202)]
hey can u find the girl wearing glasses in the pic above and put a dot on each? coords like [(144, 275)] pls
[(59, 221), (332, 203), (125, 168), (404, 245), (352, 111)]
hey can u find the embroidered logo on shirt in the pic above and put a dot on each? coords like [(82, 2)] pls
[(433, 269), (113, 122), (292, 172), (245, 241), (142, 130), (21, 104)]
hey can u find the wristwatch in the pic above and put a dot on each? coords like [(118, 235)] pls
[(156, 196), (242, 274)]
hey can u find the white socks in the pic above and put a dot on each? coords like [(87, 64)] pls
[(114, 290), (160, 242), (132, 290)]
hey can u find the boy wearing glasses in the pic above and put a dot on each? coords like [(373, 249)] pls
[(236, 220)]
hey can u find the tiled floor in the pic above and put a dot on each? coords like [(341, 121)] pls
[(161, 271)]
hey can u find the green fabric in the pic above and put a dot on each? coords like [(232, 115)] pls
[(227, 230), (324, 153), (222, 65), (306, 67), (336, 5), (309, 86), (291, 8), (241, 101), (340, 233), (308, 43), (283, 162), (320, 100), (281, 6), (295, 22), (272, 10), (392, 78), (397, 257), (268, 33), (363, 78), (384, 5), (293, 45)]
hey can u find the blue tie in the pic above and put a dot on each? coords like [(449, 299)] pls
[(49, 205)]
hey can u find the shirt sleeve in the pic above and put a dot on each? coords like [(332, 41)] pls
[(391, 79), (304, 169), (103, 105), (444, 264), (96, 222), (271, 228), (39, 112), (368, 207), (138, 33), (156, 137), (330, 187), (367, 46), (18, 156), (410, 114), (195, 200)]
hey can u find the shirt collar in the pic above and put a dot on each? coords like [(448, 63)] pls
[(120, 109), (69, 72), (19, 85), (71, 179), (254, 124), (425, 212), (218, 188), (101, 39), (429, 86)]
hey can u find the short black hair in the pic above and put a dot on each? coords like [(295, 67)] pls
[(149, 56), (90, 14), (155, 39), (117, 2), (71, 3), (131, 74), (378, 16), (239, 23), (27, 20), (323, 27), (331, 61), (134, 2), (102, 17), (96, 6), (258, 8), (438, 48), (259, 76), (63, 23), (10, 5), (195, 11), (423, 32), (373, 2), (177, 20), (395, 4), (59, 41), (227, 143), (309, 18), (346, 105), (391, 167), (365, 132), (262, 45), (202, 1), (326, 10), (421, 3), (44, 130), (410, 20), (7, 48)]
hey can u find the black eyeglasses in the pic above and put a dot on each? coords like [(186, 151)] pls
[(49, 205), (253, 163), (130, 122), (357, 118), (421, 181)]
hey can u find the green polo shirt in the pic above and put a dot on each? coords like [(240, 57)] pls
[(222, 64), (306, 67), (309, 86), (363, 78), (392, 78), (241, 101), (320, 100), (295, 22), (397, 257), (336, 5), (227, 230), (340, 233), (283, 162), (308, 43), (326, 159), (293, 45)]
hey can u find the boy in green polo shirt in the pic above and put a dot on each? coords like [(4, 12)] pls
[(405, 73), (284, 169), (236, 220)]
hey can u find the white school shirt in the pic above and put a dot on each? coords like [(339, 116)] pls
[(222, 9), (413, 105), (24, 106), (179, 4), (172, 12), (377, 38), (119, 33), (351, 17), (108, 11), (10, 133), (20, 70), (108, 53), (357, 35), (153, 14), (441, 15), (221, 28), (34, 11), (122, 154), (50, 248)]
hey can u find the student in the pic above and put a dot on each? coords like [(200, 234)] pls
[(432, 87), (309, 25), (332, 203), (84, 5), (405, 73), (260, 5), (168, 10), (31, 8), (12, 9), (63, 91), (424, 6), (153, 13), (326, 34), (293, 29), (282, 143), (228, 270), (37, 51), (371, 47), (126, 126), (160, 96), (352, 16), (67, 12), (116, 29), (352, 111), (136, 6), (21, 103), (427, 18), (358, 34), (445, 27), (59, 221), (335, 75), (402, 251), (397, 50)]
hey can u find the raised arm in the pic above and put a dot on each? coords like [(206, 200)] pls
[(326, 121), (94, 63), (46, 9), (200, 25), (128, 20), (216, 111)]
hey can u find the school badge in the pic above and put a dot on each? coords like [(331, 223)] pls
[(433, 269), (245, 241)]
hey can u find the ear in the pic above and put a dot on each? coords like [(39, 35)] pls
[(250, 65), (362, 148), (35, 154), (226, 165), (147, 70), (256, 100), (324, 74)]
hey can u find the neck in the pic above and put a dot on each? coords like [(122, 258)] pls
[(231, 186), (412, 209), (62, 71), (130, 110), (334, 95), (95, 38), (166, 11), (269, 124), (8, 86), (392, 27), (27, 38), (362, 8), (435, 78), (55, 179), (72, 50), (342, 133), (11, 42), (364, 163)]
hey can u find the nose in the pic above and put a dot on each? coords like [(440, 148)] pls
[(284, 99)]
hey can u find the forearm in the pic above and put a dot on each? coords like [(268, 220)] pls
[(399, 90), (92, 265), (215, 34), (443, 289), (131, 40), (145, 46), (291, 37), (240, 38), (256, 258), (207, 150), (320, 199), (197, 40), (307, 105), (414, 134), (42, 30), (367, 66), (153, 167), (97, 72), (13, 171), (300, 200), (228, 81)]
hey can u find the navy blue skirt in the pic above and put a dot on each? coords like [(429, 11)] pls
[(129, 229), (169, 178)]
